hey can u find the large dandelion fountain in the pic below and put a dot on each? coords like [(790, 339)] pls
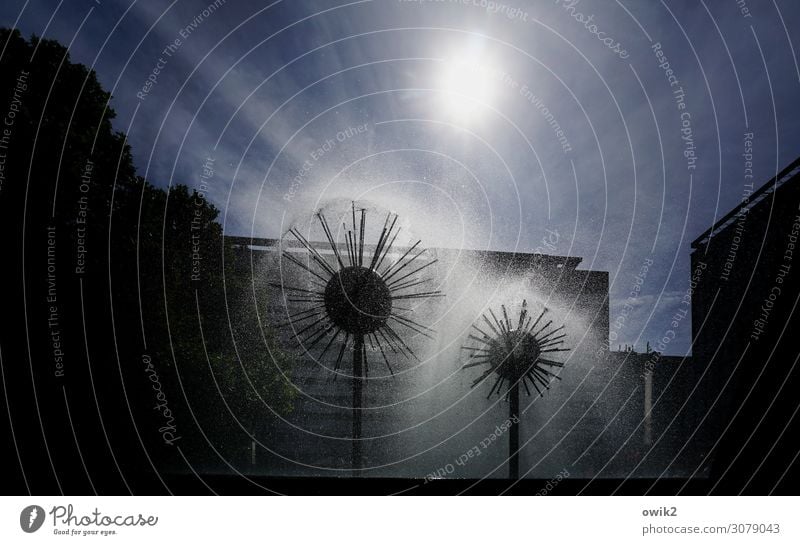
[(517, 354), (353, 294)]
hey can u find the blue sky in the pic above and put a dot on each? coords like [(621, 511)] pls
[(448, 111)]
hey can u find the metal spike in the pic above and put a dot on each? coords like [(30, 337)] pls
[(522, 314), (302, 265), (313, 251), (330, 342), (474, 349), (396, 349), (291, 288), (341, 353), (423, 295), (525, 383), (351, 248), (530, 377), (542, 378), (426, 265), (499, 324), (495, 385), (400, 340), (410, 284), (381, 241), (380, 347), (481, 378), (474, 338), (361, 238), (388, 248), (408, 322), (537, 321), (550, 363), (402, 257), (479, 330), (543, 370), (556, 330), (303, 319), (494, 330), (505, 316), (543, 342), (306, 328), (545, 326), (329, 235)]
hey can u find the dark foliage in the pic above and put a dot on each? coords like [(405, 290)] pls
[(104, 300)]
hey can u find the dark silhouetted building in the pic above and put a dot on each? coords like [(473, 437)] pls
[(744, 324)]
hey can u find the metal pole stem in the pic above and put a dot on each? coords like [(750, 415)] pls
[(358, 373), (513, 436)]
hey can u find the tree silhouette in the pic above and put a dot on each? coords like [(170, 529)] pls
[(98, 269)]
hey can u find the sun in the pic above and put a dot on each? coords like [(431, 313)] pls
[(467, 85)]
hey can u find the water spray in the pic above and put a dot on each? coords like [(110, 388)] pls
[(354, 295), (517, 354)]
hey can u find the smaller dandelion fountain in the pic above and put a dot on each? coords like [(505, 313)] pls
[(352, 296), (516, 354)]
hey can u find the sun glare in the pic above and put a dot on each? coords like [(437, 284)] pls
[(467, 84)]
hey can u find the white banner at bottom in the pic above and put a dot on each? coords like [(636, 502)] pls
[(398, 520)]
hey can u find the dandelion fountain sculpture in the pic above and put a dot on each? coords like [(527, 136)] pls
[(516, 354), (352, 295)]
